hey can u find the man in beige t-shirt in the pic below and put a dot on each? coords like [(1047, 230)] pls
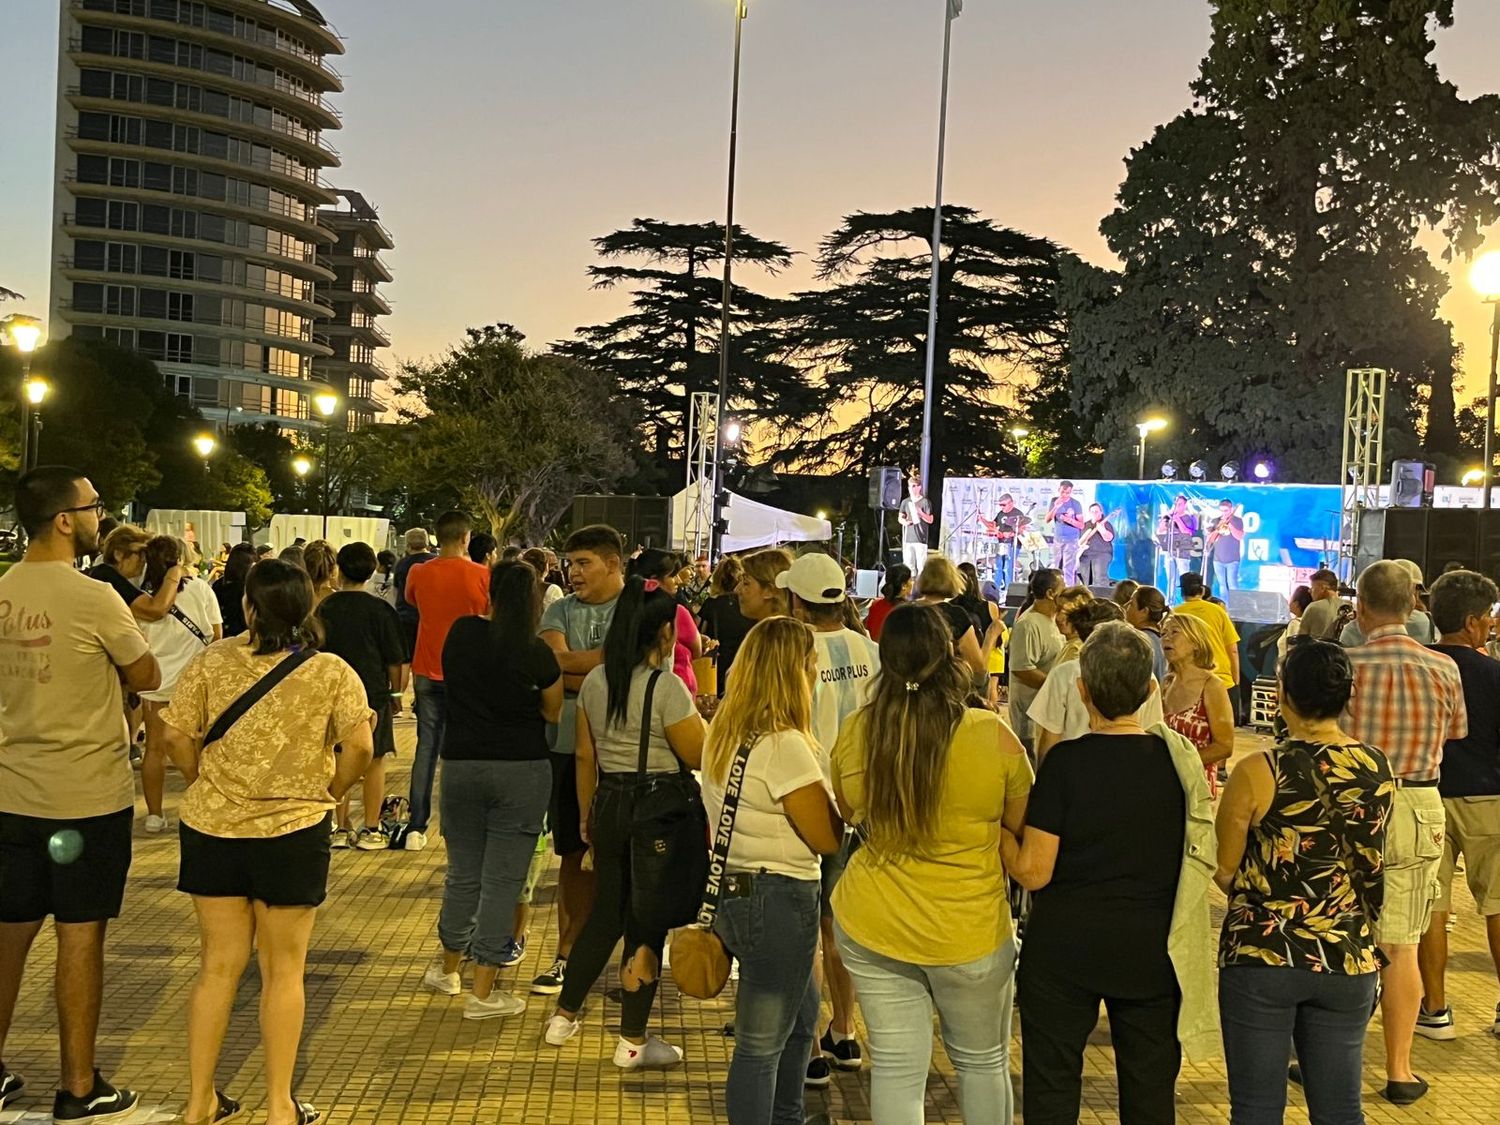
[(69, 647)]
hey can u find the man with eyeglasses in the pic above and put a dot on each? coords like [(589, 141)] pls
[(69, 647)]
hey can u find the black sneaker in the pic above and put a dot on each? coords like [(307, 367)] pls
[(819, 1073), (102, 1103), (11, 1084), (550, 983), (845, 1055)]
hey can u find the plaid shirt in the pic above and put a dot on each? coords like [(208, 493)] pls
[(1408, 701)]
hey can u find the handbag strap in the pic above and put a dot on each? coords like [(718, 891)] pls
[(192, 626), (640, 768), (255, 693), (718, 860)]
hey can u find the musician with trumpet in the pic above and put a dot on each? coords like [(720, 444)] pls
[(1223, 546), (1066, 515)]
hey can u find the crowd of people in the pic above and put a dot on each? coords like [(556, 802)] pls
[(885, 832)]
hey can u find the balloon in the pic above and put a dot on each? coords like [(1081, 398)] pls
[(65, 846)]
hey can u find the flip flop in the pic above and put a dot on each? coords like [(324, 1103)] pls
[(226, 1110)]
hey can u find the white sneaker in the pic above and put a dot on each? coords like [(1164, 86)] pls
[(652, 1054), (449, 984), (496, 1004), (416, 841), (560, 1029), (155, 824)]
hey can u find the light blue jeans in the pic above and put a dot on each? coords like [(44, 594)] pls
[(974, 1011)]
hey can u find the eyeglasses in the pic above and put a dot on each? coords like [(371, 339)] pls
[(98, 507)]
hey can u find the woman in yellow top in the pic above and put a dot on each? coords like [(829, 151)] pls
[(921, 914)]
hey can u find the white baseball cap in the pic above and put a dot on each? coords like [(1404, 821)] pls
[(815, 577)]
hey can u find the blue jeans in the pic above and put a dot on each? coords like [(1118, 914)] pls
[(974, 1011), (1227, 577), (773, 933), (1264, 1010), (492, 817), (432, 718)]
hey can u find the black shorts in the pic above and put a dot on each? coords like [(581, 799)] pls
[(385, 730), (562, 811), (409, 635), (73, 870), (290, 870)]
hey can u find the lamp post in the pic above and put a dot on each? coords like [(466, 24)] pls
[(35, 390), (24, 333), (1485, 278), (741, 10), (302, 466), (205, 444), (327, 402), (1144, 427)]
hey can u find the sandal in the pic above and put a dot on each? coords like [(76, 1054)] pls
[(226, 1110), (307, 1114)]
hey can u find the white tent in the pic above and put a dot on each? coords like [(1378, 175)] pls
[(751, 524)]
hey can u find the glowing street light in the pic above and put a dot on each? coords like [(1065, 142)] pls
[(1472, 477), (1144, 427), (1485, 277), (205, 444), (326, 401), (25, 333), (301, 466), (36, 391)]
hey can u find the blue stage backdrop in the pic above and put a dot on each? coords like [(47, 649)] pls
[(1286, 530)]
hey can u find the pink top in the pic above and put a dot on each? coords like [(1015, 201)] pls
[(682, 658), (1193, 724)]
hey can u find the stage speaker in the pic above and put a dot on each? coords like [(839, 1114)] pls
[(612, 511), (1103, 593), (885, 488), (867, 583), (1258, 607), (1394, 533), (1452, 537), (1016, 594), (642, 521), (653, 521), (1411, 484)]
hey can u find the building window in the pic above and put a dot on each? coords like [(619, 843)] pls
[(119, 300), (120, 337), (179, 306), (121, 257), (124, 216), (179, 348)]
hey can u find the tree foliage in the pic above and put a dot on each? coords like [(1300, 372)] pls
[(515, 434), (667, 346), (862, 338), (1269, 237)]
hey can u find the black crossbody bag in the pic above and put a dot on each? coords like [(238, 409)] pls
[(255, 693)]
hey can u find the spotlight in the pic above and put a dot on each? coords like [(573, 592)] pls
[(1169, 470), (731, 433), (1198, 470), (1230, 470), (1263, 470)]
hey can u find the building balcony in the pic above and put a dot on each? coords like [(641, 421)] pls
[(312, 190), (279, 216)]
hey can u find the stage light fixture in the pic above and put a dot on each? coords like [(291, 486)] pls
[(1169, 470), (1263, 470), (1198, 470), (1230, 470)]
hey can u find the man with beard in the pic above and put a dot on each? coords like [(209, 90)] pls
[(67, 796)]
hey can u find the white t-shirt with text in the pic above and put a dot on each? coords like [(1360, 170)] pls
[(173, 643), (847, 665), (763, 838)]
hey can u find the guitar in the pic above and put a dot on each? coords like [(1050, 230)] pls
[(1083, 540)]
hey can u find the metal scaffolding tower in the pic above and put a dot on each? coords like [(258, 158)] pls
[(702, 458), (1364, 454)]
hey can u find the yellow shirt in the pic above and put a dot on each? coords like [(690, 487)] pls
[(948, 906), (1221, 633)]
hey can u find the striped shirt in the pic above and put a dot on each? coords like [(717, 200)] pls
[(1408, 701)]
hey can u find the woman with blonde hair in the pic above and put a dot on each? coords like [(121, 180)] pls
[(757, 593), (122, 560), (921, 913), (786, 819), (1195, 702), (321, 563), (938, 585)]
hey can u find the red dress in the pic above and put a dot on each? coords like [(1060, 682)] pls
[(1192, 723)]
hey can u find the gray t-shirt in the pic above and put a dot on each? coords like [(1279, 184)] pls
[(1034, 644), (618, 747), (1318, 618), (583, 625), (1419, 627)]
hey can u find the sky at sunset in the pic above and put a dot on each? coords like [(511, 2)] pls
[(498, 137)]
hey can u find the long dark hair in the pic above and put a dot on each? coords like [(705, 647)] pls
[(162, 554), (896, 576), (237, 565), (515, 607), (640, 616), (281, 607), (654, 563)]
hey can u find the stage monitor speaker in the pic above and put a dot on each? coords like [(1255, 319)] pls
[(1411, 484), (653, 521), (885, 488), (867, 583), (1394, 533), (1016, 594), (642, 521), (1103, 593), (1452, 537), (1258, 607)]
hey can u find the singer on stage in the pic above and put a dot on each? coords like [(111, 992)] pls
[(1177, 536), (1223, 544), (915, 516), (1010, 524), (1068, 526)]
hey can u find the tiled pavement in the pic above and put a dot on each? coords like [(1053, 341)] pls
[(380, 1049)]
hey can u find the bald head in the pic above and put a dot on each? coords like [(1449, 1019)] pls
[(1387, 595)]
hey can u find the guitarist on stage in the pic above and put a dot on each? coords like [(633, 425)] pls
[(1068, 526), (1096, 547), (1223, 546)]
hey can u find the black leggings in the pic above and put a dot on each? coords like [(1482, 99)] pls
[(640, 827)]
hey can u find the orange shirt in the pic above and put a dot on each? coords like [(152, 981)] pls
[(443, 590)]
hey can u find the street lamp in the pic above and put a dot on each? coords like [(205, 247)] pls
[(326, 400), (1485, 277), (1472, 477), (302, 466), (1143, 427), (25, 333), (35, 390), (205, 445)]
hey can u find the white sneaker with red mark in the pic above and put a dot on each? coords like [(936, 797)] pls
[(653, 1054)]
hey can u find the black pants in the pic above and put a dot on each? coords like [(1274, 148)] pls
[(1057, 1017), (650, 854)]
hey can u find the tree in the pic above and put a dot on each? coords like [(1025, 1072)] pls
[(667, 346), (862, 342), (515, 434), (1268, 236)]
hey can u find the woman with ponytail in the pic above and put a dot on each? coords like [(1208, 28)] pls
[(921, 914), (639, 736), (660, 567)]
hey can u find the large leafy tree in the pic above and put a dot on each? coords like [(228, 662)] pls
[(1269, 237), (667, 346), (514, 435), (862, 339)]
